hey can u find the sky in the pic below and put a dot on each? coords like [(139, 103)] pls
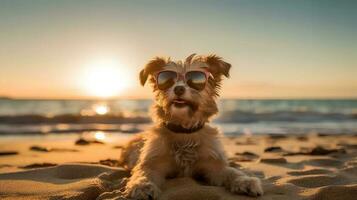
[(90, 49)]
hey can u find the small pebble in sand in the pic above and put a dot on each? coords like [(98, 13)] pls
[(38, 165), (82, 141), (39, 148), (317, 151), (247, 153), (245, 157), (48, 149), (8, 153), (273, 160), (273, 149), (322, 151)]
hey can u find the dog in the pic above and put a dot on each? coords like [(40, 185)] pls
[(182, 143)]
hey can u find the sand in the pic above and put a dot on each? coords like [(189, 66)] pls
[(311, 166)]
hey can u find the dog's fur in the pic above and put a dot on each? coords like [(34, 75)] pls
[(159, 153)]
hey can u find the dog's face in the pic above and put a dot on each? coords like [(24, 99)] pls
[(185, 92)]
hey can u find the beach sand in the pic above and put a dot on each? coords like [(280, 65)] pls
[(311, 166)]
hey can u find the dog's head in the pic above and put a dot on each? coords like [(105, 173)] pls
[(189, 99)]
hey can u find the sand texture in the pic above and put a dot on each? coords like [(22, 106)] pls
[(316, 167)]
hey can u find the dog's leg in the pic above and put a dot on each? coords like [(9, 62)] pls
[(234, 180), (131, 151), (144, 184)]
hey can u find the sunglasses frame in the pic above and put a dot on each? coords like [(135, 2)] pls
[(182, 76)]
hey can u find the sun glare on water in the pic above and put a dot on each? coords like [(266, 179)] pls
[(101, 109), (106, 78), (99, 135)]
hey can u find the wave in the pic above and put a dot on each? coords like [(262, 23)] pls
[(232, 122), (69, 128), (72, 119), (238, 116)]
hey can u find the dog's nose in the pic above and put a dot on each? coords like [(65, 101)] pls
[(179, 90)]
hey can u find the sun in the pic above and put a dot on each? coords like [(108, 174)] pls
[(106, 78)]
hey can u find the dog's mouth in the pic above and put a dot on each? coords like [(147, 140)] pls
[(180, 103)]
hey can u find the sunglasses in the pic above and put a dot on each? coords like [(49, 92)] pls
[(194, 79)]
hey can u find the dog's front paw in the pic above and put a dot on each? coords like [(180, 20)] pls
[(247, 185), (142, 191)]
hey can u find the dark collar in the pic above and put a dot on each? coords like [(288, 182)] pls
[(180, 129)]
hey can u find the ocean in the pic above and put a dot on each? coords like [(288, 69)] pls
[(236, 116)]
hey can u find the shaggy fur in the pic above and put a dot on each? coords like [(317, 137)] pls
[(159, 153)]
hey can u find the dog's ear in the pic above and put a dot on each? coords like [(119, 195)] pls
[(152, 66), (143, 77), (217, 66)]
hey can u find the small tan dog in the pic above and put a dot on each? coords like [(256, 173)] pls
[(182, 143)]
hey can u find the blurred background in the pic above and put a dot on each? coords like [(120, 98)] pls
[(70, 96), (71, 67)]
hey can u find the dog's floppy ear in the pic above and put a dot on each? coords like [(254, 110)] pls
[(152, 66), (217, 66), (143, 77)]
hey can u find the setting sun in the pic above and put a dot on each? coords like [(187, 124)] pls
[(106, 78)]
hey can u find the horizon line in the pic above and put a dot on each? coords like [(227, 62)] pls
[(147, 98)]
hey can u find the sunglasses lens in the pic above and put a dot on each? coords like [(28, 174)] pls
[(166, 79), (196, 80)]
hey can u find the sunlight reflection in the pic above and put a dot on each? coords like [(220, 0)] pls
[(101, 109), (100, 135)]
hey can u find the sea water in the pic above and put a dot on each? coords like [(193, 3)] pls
[(236, 116)]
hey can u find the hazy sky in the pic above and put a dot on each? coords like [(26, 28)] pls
[(278, 48)]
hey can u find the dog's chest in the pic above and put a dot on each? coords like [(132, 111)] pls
[(186, 155)]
